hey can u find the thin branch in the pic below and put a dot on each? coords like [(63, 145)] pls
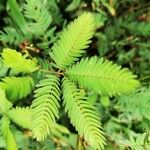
[(77, 142)]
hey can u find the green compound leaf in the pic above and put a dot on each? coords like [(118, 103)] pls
[(39, 15), (136, 103), (17, 88), (102, 76), (21, 116), (17, 61), (45, 107), (73, 40), (17, 16), (5, 105), (82, 115), (8, 135)]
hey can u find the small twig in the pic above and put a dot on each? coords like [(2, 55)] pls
[(59, 72), (77, 142), (80, 143), (45, 70)]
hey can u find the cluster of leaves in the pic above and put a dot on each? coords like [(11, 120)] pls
[(54, 92)]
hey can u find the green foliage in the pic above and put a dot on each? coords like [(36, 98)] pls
[(3, 69), (137, 141), (8, 135), (73, 40), (11, 35), (55, 11), (21, 116), (25, 20), (45, 107), (125, 39), (82, 115), (73, 5), (90, 87), (17, 17), (138, 28), (39, 16), (136, 103), (18, 62), (5, 105), (102, 76), (17, 88)]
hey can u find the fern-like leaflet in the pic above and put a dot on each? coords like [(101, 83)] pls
[(11, 35), (21, 116), (138, 28), (82, 115), (8, 135), (17, 16), (17, 88), (136, 103), (18, 62), (38, 13), (103, 77), (73, 40), (5, 105), (45, 107)]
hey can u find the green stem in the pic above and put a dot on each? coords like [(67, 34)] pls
[(79, 143)]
